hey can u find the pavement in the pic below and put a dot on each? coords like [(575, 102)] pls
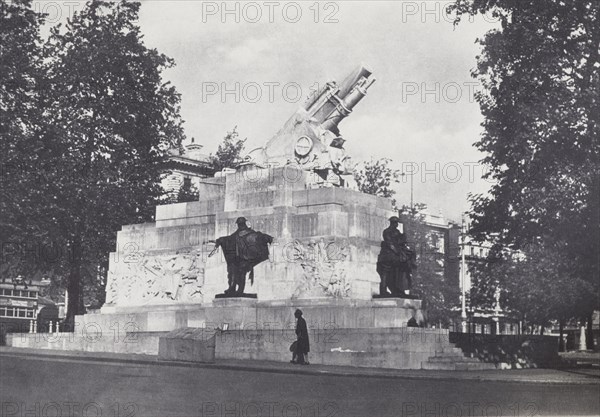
[(586, 374)]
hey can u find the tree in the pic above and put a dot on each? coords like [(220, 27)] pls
[(108, 122), (228, 154), (540, 73), (534, 285), (20, 126), (377, 178), (187, 192)]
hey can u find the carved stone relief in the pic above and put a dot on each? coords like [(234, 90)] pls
[(324, 268), (156, 279)]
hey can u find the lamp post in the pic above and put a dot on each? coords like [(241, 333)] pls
[(412, 174), (463, 311)]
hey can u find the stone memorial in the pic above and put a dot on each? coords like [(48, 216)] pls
[(297, 189)]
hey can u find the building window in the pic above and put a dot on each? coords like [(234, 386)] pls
[(2, 312), (20, 293), (22, 313), (30, 314), (10, 312)]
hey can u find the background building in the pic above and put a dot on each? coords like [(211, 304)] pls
[(186, 167), (20, 306)]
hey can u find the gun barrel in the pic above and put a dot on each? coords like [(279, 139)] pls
[(333, 103), (345, 106)]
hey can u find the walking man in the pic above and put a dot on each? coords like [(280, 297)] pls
[(303, 344)]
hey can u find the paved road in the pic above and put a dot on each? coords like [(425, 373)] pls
[(37, 386)]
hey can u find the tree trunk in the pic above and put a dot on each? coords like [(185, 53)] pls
[(590, 332), (75, 296), (74, 291), (561, 329)]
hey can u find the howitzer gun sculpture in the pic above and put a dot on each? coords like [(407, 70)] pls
[(311, 139)]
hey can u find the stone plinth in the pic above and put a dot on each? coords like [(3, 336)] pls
[(90, 339), (398, 347)]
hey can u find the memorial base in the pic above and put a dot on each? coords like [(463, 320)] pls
[(244, 295), (371, 333), (405, 296)]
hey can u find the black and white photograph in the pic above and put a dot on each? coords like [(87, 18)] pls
[(299, 208)]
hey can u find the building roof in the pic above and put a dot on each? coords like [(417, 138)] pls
[(45, 301), (189, 159)]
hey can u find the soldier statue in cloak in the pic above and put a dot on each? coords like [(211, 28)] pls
[(395, 263), (243, 250)]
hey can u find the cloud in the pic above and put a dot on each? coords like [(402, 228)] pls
[(246, 53)]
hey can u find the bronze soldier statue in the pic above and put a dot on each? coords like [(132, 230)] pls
[(394, 262), (243, 250), (242, 267)]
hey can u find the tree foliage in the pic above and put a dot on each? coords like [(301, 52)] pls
[(540, 73), (228, 154), (188, 192), (108, 122), (536, 285), (21, 124), (377, 178)]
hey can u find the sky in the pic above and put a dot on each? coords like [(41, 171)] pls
[(252, 64)]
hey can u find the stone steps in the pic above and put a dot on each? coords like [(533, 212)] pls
[(479, 366), (450, 350), (450, 358), (445, 356), (398, 359), (451, 366), (454, 359)]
